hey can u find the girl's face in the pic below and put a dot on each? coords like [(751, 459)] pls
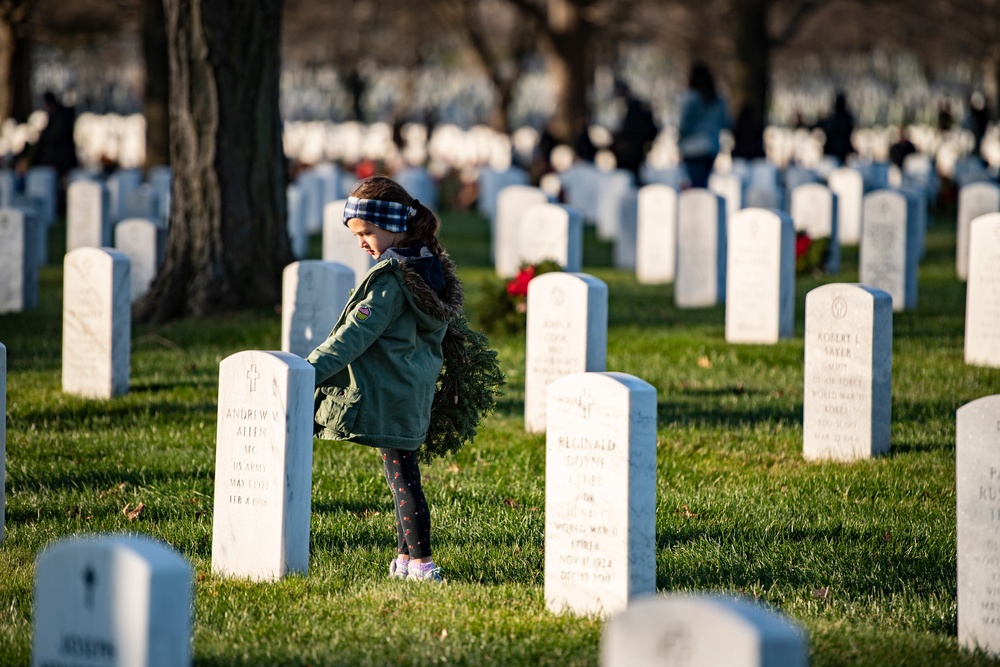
[(373, 240)]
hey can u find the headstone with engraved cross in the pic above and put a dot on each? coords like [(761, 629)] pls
[(600, 492), (567, 332), (847, 390), (105, 600), (702, 631), (263, 465), (977, 476)]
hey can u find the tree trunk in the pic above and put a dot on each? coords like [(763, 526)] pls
[(6, 62), (752, 74), (228, 241), (157, 90), (571, 65), (16, 99)]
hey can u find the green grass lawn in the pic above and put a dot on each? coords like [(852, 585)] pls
[(862, 555)]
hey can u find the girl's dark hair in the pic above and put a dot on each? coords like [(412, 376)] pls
[(702, 81), (422, 226)]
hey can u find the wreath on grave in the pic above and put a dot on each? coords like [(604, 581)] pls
[(503, 304), (810, 254)]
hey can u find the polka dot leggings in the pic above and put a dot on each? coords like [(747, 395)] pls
[(413, 518)]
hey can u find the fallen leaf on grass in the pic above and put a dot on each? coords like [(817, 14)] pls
[(704, 362), (133, 513), (687, 512), (444, 633), (510, 502), (821, 593)]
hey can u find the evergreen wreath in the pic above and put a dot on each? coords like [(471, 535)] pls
[(503, 306), (467, 389)]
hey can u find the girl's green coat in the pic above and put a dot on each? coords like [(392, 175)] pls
[(377, 371)]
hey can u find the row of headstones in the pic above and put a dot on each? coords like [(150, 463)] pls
[(599, 524), (749, 264), (848, 348), (127, 600), (142, 241), (600, 535), (97, 315)]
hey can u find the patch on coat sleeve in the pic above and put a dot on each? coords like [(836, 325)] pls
[(363, 313)]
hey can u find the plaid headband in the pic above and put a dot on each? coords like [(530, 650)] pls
[(388, 215)]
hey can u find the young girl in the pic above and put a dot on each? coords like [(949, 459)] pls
[(377, 371)]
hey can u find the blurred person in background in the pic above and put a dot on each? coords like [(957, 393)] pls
[(704, 114)]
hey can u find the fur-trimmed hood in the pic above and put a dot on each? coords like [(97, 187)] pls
[(441, 307)]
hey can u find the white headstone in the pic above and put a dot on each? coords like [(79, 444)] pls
[(313, 293), (121, 185), (849, 186), (916, 202), (580, 184), (762, 196), (760, 277), (847, 399), (656, 235), (3, 438), (41, 184), (18, 261), (567, 332), (977, 482), (160, 178), (814, 211), (7, 188), (512, 203), (982, 294), (88, 224), (97, 322), (144, 242), (263, 465), (625, 249), (320, 186), (140, 202), (340, 245), (419, 184), (600, 493), (888, 253), (612, 188), (974, 200), (551, 232), (702, 631), (112, 600), (297, 232), (701, 250), (491, 182), (729, 186)]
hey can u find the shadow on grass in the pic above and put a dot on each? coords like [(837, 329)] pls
[(701, 407), (112, 415), (749, 560)]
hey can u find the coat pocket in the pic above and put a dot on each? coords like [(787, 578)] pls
[(337, 408)]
